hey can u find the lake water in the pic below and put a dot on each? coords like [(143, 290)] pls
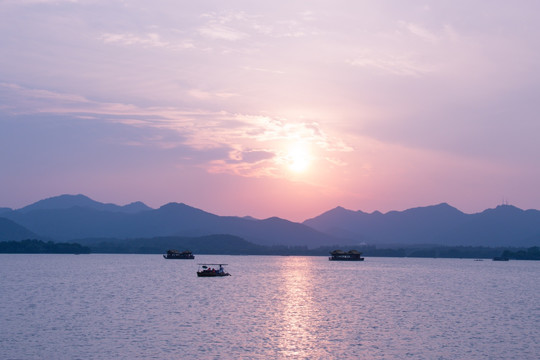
[(145, 307)]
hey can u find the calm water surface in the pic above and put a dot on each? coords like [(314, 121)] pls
[(144, 307)]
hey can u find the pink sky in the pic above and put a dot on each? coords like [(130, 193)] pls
[(281, 109)]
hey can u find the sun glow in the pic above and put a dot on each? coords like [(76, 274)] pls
[(299, 158)]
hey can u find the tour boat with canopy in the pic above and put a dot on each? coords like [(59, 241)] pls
[(175, 254), (211, 270), (340, 255)]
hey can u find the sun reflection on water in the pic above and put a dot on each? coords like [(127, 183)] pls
[(298, 331)]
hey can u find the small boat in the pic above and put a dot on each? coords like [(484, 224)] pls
[(352, 255), (500, 258), (208, 270), (175, 254)]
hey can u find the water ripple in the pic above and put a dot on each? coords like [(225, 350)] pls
[(145, 307)]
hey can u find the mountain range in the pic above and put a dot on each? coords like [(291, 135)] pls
[(77, 217), (441, 224), (72, 217)]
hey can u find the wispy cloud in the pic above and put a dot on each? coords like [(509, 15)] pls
[(250, 156), (420, 32), (258, 143), (145, 40), (420, 51), (221, 32), (205, 95), (268, 129), (30, 93), (223, 26), (235, 26), (397, 65)]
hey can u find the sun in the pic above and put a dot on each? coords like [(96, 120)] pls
[(299, 158)]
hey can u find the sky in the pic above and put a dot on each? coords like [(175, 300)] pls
[(278, 108)]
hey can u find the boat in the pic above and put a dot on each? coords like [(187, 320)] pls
[(175, 254), (340, 255), (208, 270), (500, 258)]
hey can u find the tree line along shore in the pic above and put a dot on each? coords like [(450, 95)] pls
[(230, 245)]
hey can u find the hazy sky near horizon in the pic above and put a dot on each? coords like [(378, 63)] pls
[(282, 108)]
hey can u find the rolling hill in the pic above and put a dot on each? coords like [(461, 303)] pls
[(11, 231)]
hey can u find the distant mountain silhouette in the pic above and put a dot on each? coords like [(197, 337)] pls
[(73, 217), (68, 218), (70, 201), (439, 224), (505, 225), (11, 231)]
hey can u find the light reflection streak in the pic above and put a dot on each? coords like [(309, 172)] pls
[(298, 310)]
